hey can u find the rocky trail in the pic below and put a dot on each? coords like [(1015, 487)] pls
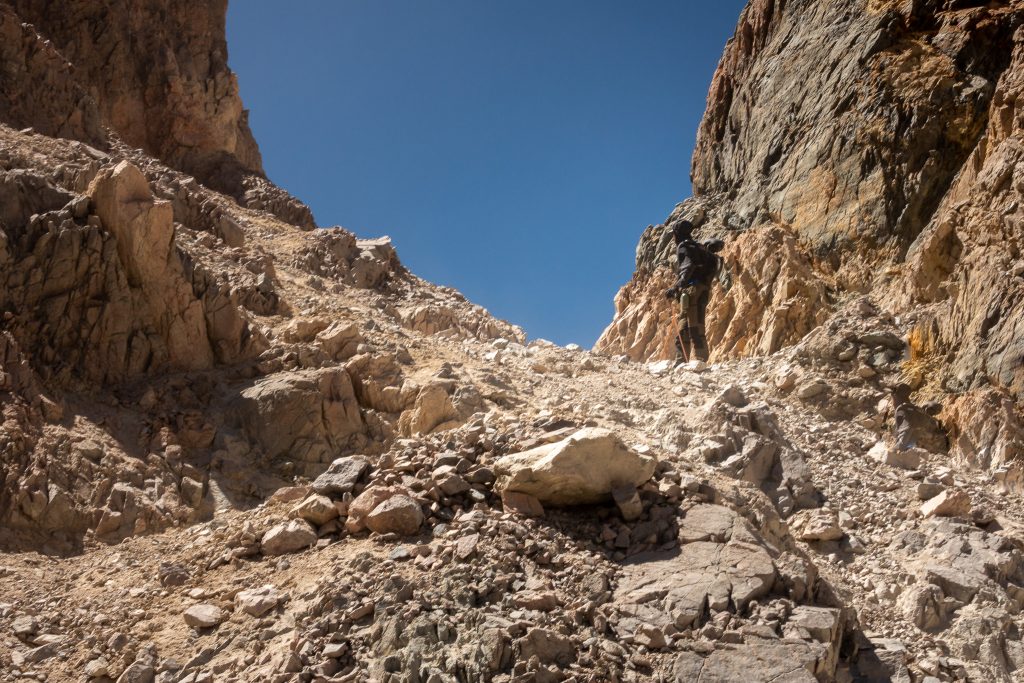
[(238, 447)]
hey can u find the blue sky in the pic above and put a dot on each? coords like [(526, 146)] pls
[(512, 149)]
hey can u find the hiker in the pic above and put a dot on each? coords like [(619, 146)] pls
[(913, 426), (698, 266)]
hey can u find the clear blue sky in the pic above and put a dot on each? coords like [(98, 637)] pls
[(512, 149)]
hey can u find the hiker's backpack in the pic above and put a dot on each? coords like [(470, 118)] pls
[(706, 263), (718, 270)]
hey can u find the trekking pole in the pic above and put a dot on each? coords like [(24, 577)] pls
[(679, 337)]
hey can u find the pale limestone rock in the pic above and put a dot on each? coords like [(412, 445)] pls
[(203, 616), (316, 510), (582, 469), (949, 503)]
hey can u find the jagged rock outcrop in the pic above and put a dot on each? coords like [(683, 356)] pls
[(155, 75), (177, 99), (855, 146)]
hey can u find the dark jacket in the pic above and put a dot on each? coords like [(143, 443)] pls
[(696, 264)]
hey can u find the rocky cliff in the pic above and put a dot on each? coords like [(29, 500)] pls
[(837, 139), (154, 75), (858, 148), (232, 447)]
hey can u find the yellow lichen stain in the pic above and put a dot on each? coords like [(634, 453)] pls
[(923, 368)]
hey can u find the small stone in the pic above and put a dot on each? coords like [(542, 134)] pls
[(659, 368), (926, 490), (452, 484), (541, 601), (398, 514), (628, 501), (335, 650), (25, 626), (204, 616), (97, 668), (465, 547), (734, 396), (258, 601), (811, 389), (907, 459), (317, 509), (341, 477), (288, 537), (521, 503), (866, 372), (785, 379)]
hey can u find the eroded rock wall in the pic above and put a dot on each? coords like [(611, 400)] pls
[(856, 147), (158, 74)]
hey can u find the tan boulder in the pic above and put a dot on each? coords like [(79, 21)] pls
[(316, 509), (365, 502), (949, 503), (579, 470), (203, 616), (399, 514), (288, 537)]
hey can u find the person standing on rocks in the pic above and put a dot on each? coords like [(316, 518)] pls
[(698, 266)]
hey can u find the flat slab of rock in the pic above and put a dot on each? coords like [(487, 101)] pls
[(755, 660), (204, 616), (670, 591), (341, 477), (521, 503), (950, 503), (258, 601), (580, 470)]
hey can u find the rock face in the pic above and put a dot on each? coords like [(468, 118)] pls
[(585, 468), (305, 415), (853, 146), (177, 99)]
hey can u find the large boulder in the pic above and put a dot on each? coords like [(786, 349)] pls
[(582, 469), (398, 514), (306, 416)]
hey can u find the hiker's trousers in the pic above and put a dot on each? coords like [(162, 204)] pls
[(691, 342)]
